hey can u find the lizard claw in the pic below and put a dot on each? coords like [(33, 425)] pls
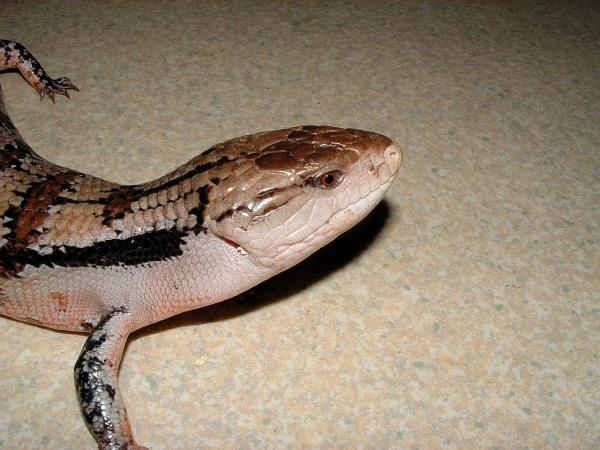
[(57, 86)]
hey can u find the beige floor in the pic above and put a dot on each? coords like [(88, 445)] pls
[(465, 313)]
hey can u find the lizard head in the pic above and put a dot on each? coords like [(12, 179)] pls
[(298, 189)]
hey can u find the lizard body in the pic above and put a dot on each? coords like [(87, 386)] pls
[(83, 254)]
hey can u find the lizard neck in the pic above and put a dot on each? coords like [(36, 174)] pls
[(208, 271)]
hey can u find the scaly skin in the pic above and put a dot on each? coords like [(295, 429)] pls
[(82, 254)]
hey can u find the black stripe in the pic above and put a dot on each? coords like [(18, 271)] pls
[(144, 248), (196, 170)]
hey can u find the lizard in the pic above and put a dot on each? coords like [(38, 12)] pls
[(82, 254)]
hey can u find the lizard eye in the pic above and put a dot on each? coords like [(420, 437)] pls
[(329, 179)]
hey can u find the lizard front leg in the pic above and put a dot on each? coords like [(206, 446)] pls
[(96, 380), (15, 56)]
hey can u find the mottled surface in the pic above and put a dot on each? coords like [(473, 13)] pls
[(463, 314)]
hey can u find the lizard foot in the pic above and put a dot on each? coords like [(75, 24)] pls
[(56, 86)]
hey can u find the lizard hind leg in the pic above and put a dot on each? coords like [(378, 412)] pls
[(96, 380), (15, 56)]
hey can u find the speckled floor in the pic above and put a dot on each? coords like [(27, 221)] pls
[(464, 313)]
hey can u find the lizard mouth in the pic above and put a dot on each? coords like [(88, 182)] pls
[(234, 244)]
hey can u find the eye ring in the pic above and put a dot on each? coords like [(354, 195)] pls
[(328, 180)]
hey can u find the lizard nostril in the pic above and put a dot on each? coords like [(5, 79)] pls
[(393, 157)]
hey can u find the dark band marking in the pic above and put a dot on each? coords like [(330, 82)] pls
[(117, 204), (34, 210), (200, 210), (225, 215), (204, 191), (152, 246), (175, 181), (230, 212)]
